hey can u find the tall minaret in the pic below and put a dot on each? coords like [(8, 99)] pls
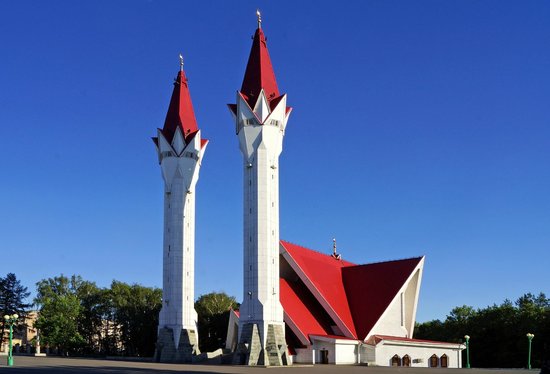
[(261, 115), (180, 151)]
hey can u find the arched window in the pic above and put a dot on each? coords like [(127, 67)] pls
[(434, 361), (444, 361), (396, 361), (406, 360)]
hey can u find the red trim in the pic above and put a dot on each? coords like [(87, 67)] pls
[(379, 338), (339, 337)]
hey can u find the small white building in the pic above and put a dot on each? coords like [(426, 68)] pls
[(338, 312)]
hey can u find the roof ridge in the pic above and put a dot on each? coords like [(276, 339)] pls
[(319, 252), (388, 261), (354, 264)]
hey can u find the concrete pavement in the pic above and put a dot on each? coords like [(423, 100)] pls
[(61, 365)]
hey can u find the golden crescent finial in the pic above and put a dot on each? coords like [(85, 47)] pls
[(259, 15)]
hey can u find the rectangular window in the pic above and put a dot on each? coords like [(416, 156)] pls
[(402, 309)]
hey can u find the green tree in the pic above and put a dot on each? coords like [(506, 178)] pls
[(213, 317), (93, 309), (12, 300), (59, 312), (498, 332), (79, 317), (135, 310)]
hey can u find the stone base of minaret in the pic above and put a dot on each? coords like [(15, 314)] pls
[(187, 349), (250, 351)]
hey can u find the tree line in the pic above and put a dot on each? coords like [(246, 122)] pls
[(498, 332), (76, 317)]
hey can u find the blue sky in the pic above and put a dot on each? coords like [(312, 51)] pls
[(419, 128)]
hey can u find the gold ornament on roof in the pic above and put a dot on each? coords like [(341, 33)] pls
[(259, 15)]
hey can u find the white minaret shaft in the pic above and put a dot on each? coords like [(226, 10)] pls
[(180, 171), (261, 116), (180, 151), (260, 139)]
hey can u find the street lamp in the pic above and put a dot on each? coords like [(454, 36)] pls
[(467, 338), (530, 337), (10, 320)]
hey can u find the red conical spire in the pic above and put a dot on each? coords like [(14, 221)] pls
[(180, 112), (259, 71)]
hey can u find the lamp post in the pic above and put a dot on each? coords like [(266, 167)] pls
[(10, 320), (530, 338), (467, 338)]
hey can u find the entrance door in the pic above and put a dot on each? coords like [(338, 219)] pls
[(324, 356), (406, 360)]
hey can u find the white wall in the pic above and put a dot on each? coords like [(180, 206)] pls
[(392, 322), (368, 354), (305, 355), (346, 354), (385, 352), (341, 352)]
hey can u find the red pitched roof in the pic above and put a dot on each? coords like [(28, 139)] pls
[(371, 288), (358, 294), (325, 273), (302, 309), (259, 72), (180, 112)]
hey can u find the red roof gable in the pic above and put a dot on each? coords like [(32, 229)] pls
[(180, 112), (357, 294), (370, 289), (259, 72), (325, 273)]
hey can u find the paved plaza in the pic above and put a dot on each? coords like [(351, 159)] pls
[(51, 365)]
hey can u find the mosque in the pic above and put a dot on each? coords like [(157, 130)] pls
[(298, 305)]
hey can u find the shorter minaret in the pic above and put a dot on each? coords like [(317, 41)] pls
[(260, 117), (180, 151)]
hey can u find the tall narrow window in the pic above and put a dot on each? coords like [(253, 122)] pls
[(444, 361), (402, 310), (434, 361)]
